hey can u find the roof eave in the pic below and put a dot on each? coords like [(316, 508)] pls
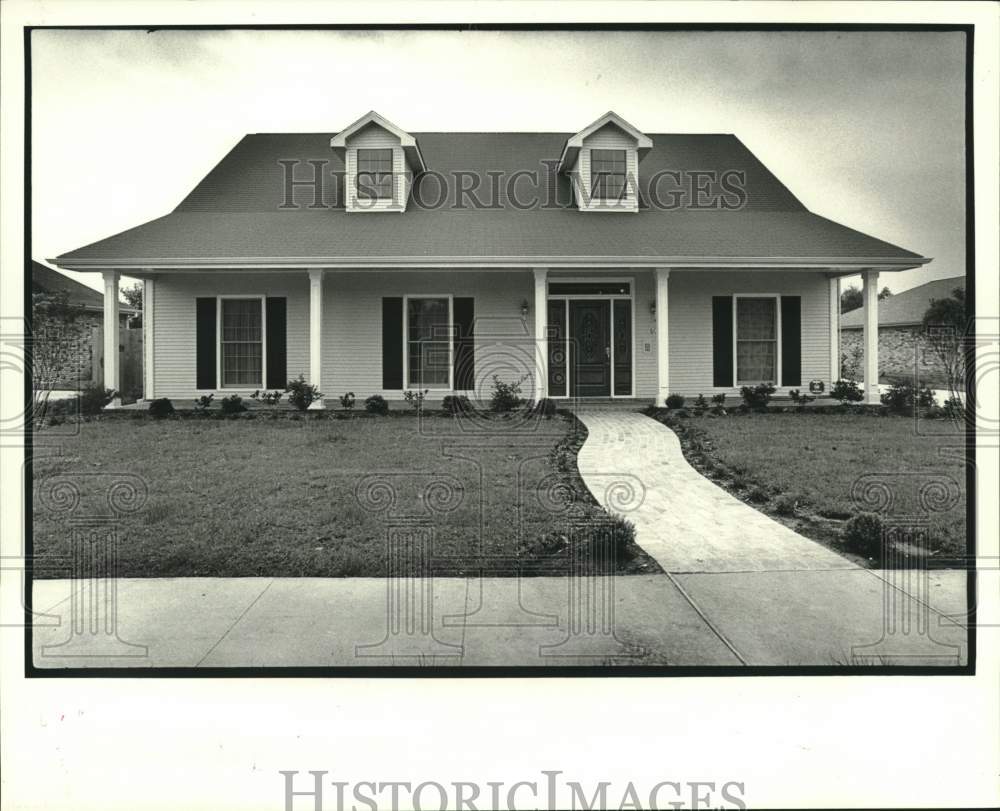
[(844, 265)]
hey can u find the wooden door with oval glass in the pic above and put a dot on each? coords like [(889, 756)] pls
[(590, 348)]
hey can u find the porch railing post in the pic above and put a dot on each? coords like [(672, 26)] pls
[(316, 334), (541, 341), (662, 335)]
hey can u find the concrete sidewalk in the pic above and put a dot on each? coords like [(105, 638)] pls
[(634, 466), (809, 618)]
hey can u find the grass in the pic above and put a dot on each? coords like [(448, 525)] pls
[(774, 460), (318, 497)]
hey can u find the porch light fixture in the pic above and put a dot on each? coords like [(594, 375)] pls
[(652, 307), (524, 308)]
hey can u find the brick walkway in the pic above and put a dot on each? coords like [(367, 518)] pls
[(634, 466)]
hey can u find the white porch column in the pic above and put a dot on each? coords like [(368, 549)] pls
[(148, 350), (662, 335), (541, 324), (111, 364), (834, 330), (870, 334), (316, 334)]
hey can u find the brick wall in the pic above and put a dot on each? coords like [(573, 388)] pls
[(63, 354), (901, 352)]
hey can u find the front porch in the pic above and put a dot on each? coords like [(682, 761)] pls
[(633, 335)]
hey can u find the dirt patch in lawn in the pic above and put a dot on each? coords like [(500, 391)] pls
[(442, 495), (813, 472)]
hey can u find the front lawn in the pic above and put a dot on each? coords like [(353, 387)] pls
[(802, 469), (317, 497)]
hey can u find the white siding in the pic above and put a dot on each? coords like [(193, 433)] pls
[(691, 321), (352, 334), (174, 329), (374, 137), (607, 137), (352, 330)]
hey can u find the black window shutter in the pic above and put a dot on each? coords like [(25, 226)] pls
[(205, 343), (392, 343), (275, 333), (464, 313), (722, 341), (791, 341)]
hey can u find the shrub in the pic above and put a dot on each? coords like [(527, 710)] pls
[(613, 535), (546, 407), (505, 396), (799, 398), (784, 504), (847, 391), (94, 397), (903, 397), (757, 494), (268, 398), (757, 397), (675, 401), (700, 403), (302, 394), (863, 534), (953, 408), (203, 403), (719, 399), (376, 404), (233, 404), (415, 398), (456, 404), (347, 401), (160, 408)]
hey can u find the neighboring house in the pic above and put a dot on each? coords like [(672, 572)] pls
[(902, 351), (66, 342), (637, 265)]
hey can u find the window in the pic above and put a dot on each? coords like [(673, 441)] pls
[(375, 174), (428, 342), (756, 340), (242, 342), (607, 174)]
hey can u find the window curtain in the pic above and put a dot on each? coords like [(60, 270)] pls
[(756, 340), (242, 342)]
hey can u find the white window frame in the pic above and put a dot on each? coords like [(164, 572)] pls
[(218, 343), (407, 386), (737, 383), (611, 298)]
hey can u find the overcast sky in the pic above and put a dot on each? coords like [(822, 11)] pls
[(865, 128)]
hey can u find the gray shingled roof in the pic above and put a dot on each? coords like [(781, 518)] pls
[(906, 308), (46, 280), (235, 211)]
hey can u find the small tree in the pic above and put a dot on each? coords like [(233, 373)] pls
[(945, 324), (850, 299), (133, 297), (52, 339)]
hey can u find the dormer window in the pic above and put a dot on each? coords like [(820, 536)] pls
[(602, 161), (375, 174), (607, 174), (380, 163)]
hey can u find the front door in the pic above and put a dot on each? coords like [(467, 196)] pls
[(590, 348)]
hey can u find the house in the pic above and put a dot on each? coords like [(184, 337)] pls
[(65, 343), (606, 263), (903, 352)]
